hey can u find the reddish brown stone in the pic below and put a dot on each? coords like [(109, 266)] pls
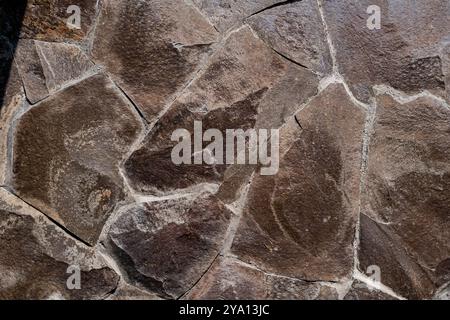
[(67, 150), (301, 222)]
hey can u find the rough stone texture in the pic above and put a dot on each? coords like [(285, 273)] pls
[(226, 14), (361, 291), (35, 256), (301, 221), (152, 48), (66, 155), (245, 85), (229, 279), (87, 116), (46, 67), (166, 246), (404, 53), (295, 30), (407, 194), (47, 20)]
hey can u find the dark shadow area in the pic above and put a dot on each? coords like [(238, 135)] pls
[(11, 16)]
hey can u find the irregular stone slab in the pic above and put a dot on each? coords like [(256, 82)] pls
[(127, 292), (226, 14), (46, 67), (407, 192), (47, 20), (229, 279), (35, 257), (170, 40), (360, 291), (301, 222), (67, 150), (446, 69), (167, 246), (404, 53), (245, 85), (296, 31)]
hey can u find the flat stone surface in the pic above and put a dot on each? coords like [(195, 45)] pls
[(226, 14), (360, 291), (67, 150), (152, 48), (404, 53), (47, 20), (229, 279), (296, 31), (301, 222), (35, 256), (166, 246), (128, 292), (407, 194), (245, 85)]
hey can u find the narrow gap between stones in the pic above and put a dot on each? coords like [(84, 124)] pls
[(279, 4)]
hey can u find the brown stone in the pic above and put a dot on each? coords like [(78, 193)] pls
[(128, 292), (35, 256), (245, 85), (166, 246), (226, 14), (67, 150), (47, 20), (360, 291), (406, 193), (229, 279), (296, 31), (404, 53), (301, 222), (152, 48)]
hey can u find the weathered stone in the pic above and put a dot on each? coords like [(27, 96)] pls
[(47, 20), (360, 291), (404, 53), (67, 150), (296, 31), (166, 246), (301, 222), (127, 292), (243, 79), (229, 279), (35, 256), (446, 69), (45, 67), (152, 48), (226, 14), (407, 194)]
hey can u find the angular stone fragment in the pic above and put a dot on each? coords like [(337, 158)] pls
[(296, 31), (229, 279), (166, 246), (152, 48), (67, 150), (47, 20), (127, 292), (245, 85), (226, 14), (45, 67), (404, 53), (301, 222), (407, 193), (35, 256), (360, 291)]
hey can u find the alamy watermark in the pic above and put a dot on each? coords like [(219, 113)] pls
[(237, 147)]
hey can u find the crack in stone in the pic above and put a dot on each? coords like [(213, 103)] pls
[(279, 4)]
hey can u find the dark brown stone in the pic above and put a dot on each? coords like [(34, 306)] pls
[(245, 85), (229, 279), (360, 291), (404, 53), (67, 150), (35, 257), (167, 246), (407, 194), (152, 48), (296, 31), (301, 222), (47, 20)]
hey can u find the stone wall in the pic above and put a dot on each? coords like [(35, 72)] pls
[(360, 205)]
